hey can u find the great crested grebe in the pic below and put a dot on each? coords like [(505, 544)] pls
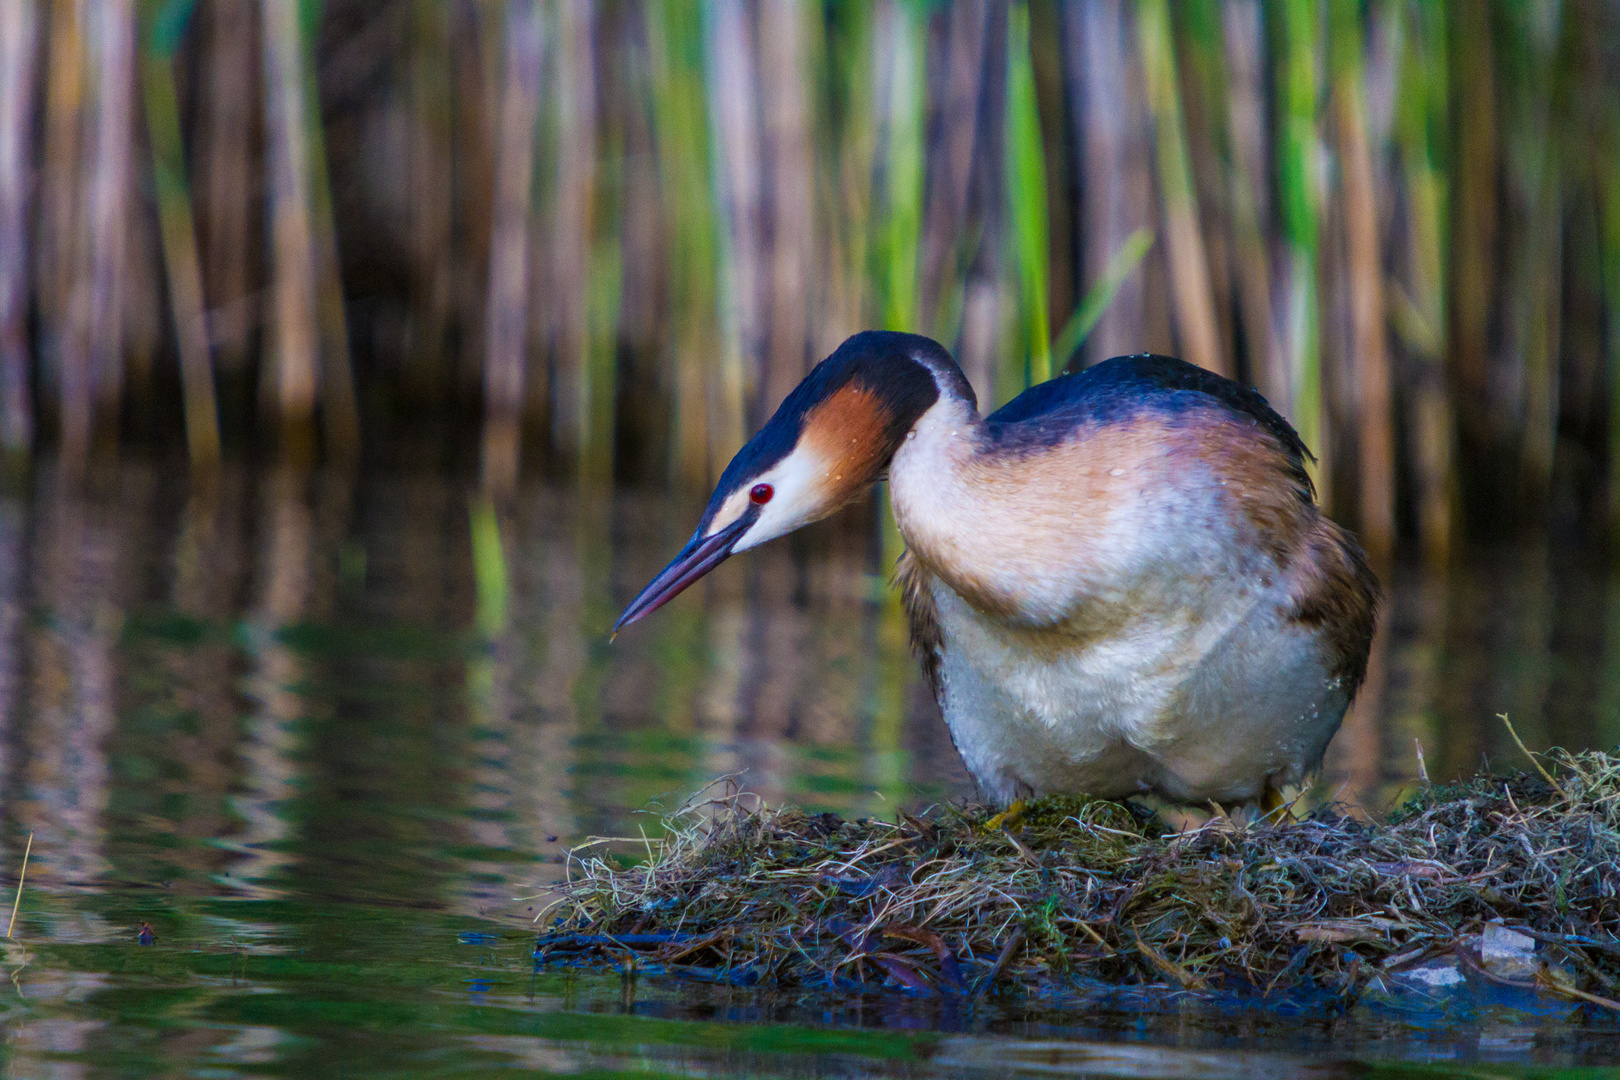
[(1117, 583)]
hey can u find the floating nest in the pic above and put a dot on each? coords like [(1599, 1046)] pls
[(1086, 892)]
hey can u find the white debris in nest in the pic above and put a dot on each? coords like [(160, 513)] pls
[(1439, 973), (1508, 954)]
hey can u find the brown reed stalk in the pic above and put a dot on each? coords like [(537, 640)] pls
[(733, 93), (506, 320), (1112, 136), (958, 76), (1419, 310), (64, 75), (430, 229), (477, 74), (784, 85), (340, 412), (849, 148), (1202, 91), (1533, 255), (59, 241), (1473, 225), (572, 231), (984, 310), (1196, 327), (1249, 193), (1368, 353), (19, 47), (294, 328), (109, 160), (144, 327), (228, 122)]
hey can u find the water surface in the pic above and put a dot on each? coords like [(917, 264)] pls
[(289, 728)]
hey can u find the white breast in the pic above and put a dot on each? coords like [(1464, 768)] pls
[(1193, 709)]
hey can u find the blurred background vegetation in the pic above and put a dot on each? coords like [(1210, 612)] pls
[(600, 240)]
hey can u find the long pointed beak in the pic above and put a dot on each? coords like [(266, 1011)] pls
[(697, 558)]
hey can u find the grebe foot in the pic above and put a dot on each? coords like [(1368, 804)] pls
[(1008, 818), (1275, 807)]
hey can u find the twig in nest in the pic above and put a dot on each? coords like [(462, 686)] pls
[(1545, 775), (12, 925), (1545, 981), (1023, 849), (1163, 965), (1014, 940)]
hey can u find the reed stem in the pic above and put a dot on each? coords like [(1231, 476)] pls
[(19, 47), (1100, 295), (113, 28), (21, 875), (1026, 199), (1109, 127), (1368, 354), (294, 329), (165, 22), (1196, 328), (1298, 166), (340, 412), (901, 60), (506, 318)]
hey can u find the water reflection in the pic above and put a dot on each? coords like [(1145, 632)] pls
[(279, 688), (274, 684), (77, 561), (282, 721)]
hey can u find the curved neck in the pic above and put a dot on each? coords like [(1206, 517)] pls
[(998, 530), (929, 485)]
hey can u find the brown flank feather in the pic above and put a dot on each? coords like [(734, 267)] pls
[(1264, 483), (917, 596), (1338, 590)]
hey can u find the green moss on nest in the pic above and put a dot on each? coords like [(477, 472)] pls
[(1097, 890)]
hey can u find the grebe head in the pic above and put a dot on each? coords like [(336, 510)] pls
[(831, 438)]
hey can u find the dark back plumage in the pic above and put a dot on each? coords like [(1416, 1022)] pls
[(1116, 389)]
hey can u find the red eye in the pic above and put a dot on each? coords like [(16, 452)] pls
[(761, 494)]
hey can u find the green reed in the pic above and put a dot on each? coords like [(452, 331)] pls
[(901, 67), (1298, 186), (1184, 246), (1122, 265), (1417, 296), (1026, 204), (164, 24), (689, 241)]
